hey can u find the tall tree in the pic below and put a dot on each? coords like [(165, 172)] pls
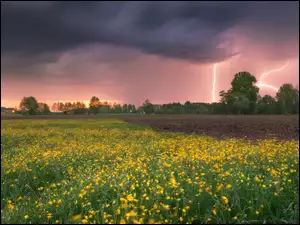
[(94, 105), (106, 107), (55, 107), (288, 98), (79, 108), (243, 84), (46, 108), (29, 105), (148, 107), (117, 108), (43, 108), (61, 107), (131, 108), (68, 106), (125, 108)]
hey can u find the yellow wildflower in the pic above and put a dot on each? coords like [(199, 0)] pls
[(225, 200), (11, 206), (131, 214), (130, 198), (214, 212), (228, 186), (76, 217), (122, 221), (136, 222)]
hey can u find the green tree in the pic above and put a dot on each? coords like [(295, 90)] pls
[(94, 105), (29, 105), (105, 108), (61, 107), (227, 99), (46, 109), (218, 108), (140, 109), (125, 108), (288, 99), (55, 107), (68, 108), (266, 105), (148, 107), (241, 104), (296, 100), (189, 108), (131, 108), (117, 108), (79, 108), (43, 108), (242, 88)]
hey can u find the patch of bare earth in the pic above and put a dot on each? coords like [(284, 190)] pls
[(251, 127)]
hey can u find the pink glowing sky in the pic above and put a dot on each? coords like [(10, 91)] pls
[(131, 73)]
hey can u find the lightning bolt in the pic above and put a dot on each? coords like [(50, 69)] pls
[(258, 84), (271, 71), (214, 83), (267, 85)]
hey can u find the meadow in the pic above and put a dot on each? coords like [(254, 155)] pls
[(110, 171)]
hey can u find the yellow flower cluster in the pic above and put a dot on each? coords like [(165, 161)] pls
[(109, 171)]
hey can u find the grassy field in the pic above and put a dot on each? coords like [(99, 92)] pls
[(109, 171), (220, 126)]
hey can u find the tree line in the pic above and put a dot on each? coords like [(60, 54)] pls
[(30, 106), (241, 98)]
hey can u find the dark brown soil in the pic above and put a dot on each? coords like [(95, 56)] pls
[(252, 127)]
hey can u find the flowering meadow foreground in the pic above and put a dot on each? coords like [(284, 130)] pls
[(109, 171)]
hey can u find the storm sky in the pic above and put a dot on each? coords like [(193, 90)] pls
[(129, 51)]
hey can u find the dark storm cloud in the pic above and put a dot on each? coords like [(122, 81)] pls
[(185, 30)]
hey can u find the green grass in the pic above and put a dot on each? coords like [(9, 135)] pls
[(109, 171)]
